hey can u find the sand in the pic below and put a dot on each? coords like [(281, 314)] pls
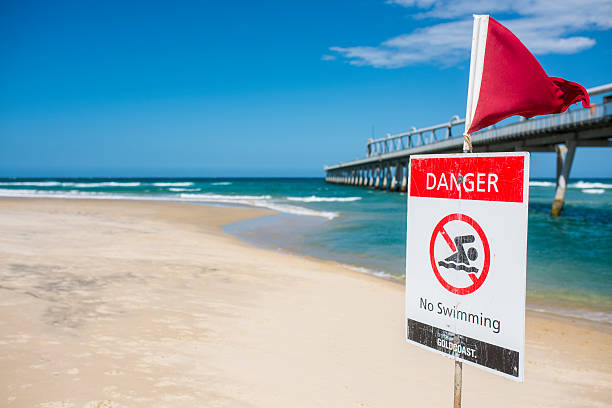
[(149, 304)]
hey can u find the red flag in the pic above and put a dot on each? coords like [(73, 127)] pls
[(507, 80)]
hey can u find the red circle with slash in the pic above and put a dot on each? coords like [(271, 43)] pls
[(476, 281)]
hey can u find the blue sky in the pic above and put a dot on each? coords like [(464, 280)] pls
[(257, 89)]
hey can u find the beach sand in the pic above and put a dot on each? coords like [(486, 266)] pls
[(149, 304)]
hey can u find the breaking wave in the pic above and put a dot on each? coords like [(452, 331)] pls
[(593, 187), (69, 184), (174, 184), (589, 185), (102, 184), (594, 191), (31, 183), (541, 184), (221, 183), (259, 201), (360, 269), (183, 189), (315, 199)]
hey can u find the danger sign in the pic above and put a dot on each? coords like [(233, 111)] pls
[(466, 258)]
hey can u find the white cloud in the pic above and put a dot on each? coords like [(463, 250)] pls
[(543, 26), (327, 57)]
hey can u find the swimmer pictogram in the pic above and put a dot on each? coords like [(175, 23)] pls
[(465, 269), (460, 260)]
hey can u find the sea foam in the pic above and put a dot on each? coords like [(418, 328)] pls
[(174, 184), (585, 184), (594, 191), (31, 183), (360, 269), (183, 189), (541, 184), (260, 201), (102, 184), (315, 199)]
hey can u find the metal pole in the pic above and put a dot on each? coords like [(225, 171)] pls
[(458, 383), (467, 148)]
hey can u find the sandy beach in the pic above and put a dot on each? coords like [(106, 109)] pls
[(149, 304)]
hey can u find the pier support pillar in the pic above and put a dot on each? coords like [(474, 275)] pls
[(396, 180), (372, 177), (385, 178), (377, 181), (565, 157), (404, 186)]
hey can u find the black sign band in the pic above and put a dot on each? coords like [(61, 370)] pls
[(476, 351)]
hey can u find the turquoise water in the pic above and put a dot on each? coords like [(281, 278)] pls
[(569, 265)]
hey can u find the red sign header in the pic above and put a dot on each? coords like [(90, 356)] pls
[(489, 178)]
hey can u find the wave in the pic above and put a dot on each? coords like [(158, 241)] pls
[(541, 184), (183, 189), (315, 199), (579, 185), (221, 183), (585, 184), (206, 196), (593, 315), (174, 184), (70, 184), (102, 184), (594, 191), (31, 183), (261, 201), (361, 269)]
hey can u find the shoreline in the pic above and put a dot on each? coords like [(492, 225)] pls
[(133, 303), (544, 306)]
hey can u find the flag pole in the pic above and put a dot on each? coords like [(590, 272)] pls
[(467, 143), (479, 41), (458, 384)]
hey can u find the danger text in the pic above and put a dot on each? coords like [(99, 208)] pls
[(481, 182)]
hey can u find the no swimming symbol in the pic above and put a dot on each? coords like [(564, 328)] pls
[(459, 254)]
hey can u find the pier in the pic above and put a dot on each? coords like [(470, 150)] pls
[(386, 162)]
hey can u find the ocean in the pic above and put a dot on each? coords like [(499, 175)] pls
[(569, 258)]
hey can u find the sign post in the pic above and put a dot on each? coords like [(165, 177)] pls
[(466, 259)]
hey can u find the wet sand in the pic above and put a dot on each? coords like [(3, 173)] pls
[(141, 304)]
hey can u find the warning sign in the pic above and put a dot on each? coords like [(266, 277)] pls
[(466, 257)]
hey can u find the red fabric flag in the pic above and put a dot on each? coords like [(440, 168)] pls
[(507, 80)]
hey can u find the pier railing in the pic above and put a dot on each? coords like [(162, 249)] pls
[(386, 161), (454, 129), (415, 137)]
